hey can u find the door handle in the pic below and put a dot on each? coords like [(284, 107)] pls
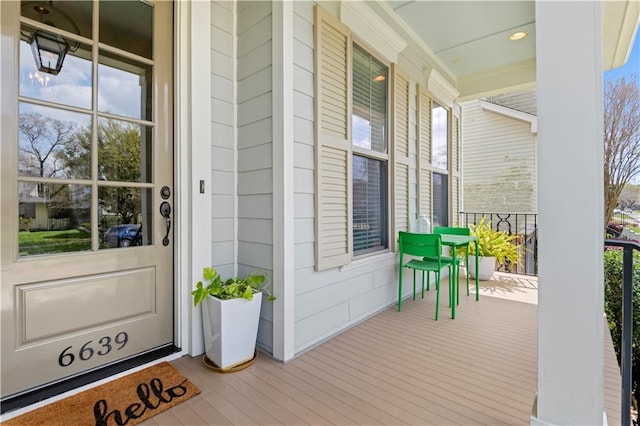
[(165, 211)]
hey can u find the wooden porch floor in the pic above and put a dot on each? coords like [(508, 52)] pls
[(396, 368)]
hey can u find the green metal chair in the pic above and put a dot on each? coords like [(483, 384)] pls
[(426, 246), (456, 231)]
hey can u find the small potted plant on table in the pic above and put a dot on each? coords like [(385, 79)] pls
[(230, 316)]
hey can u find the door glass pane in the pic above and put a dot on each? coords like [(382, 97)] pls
[(53, 143), (72, 86), (124, 151), (54, 218), (124, 87), (127, 25), (440, 134), (125, 216), (70, 15)]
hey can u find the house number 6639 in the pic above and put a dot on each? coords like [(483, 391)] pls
[(101, 347)]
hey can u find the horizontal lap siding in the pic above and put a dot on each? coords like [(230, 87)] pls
[(303, 135), (499, 158), (254, 150), (330, 301), (222, 137)]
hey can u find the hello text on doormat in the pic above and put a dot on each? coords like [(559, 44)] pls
[(125, 401)]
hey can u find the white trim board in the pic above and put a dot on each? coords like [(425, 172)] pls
[(512, 113)]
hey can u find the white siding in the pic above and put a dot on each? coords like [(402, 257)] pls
[(303, 135), (499, 158), (254, 149), (329, 301), (222, 138)]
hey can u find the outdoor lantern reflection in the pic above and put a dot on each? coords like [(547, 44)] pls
[(48, 51)]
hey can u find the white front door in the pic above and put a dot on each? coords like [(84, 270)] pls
[(86, 187)]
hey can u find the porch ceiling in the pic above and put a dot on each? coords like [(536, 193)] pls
[(471, 41)]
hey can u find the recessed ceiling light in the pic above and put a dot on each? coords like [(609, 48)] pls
[(379, 78), (517, 36)]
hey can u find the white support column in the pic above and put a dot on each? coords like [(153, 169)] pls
[(570, 206), (283, 164)]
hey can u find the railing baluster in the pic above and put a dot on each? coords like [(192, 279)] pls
[(627, 324), (627, 330)]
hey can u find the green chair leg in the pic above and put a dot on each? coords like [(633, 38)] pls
[(400, 287), (467, 270), (437, 293), (458, 284), (414, 284)]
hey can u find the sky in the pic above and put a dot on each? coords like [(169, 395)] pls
[(631, 67), (119, 90)]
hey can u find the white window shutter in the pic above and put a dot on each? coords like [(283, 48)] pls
[(400, 150), (425, 168), (455, 169), (333, 141)]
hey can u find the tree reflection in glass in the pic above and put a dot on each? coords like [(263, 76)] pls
[(123, 149), (50, 143)]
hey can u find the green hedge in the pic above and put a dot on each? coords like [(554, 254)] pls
[(613, 307)]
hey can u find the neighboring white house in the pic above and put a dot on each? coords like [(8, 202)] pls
[(499, 137), (297, 138)]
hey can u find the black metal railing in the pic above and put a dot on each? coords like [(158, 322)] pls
[(524, 226), (623, 226), (627, 323), (624, 219)]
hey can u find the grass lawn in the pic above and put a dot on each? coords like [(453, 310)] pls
[(43, 242)]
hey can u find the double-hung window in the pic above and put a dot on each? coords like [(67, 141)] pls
[(362, 130), (369, 152)]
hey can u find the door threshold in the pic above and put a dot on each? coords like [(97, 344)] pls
[(33, 396)]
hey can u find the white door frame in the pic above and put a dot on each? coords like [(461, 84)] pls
[(193, 164)]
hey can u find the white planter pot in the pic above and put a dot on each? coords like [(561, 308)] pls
[(230, 329), (486, 266)]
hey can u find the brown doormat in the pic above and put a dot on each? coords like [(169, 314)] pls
[(129, 400)]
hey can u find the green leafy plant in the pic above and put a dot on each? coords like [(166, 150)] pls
[(493, 243), (232, 288)]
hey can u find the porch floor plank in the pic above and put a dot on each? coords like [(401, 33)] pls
[(397, 368)]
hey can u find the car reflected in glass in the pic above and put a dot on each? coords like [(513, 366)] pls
[(123, 236)]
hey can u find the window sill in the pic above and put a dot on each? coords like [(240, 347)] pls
[(369, 260)]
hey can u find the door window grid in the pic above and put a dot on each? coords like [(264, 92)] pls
[(57, 142)]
